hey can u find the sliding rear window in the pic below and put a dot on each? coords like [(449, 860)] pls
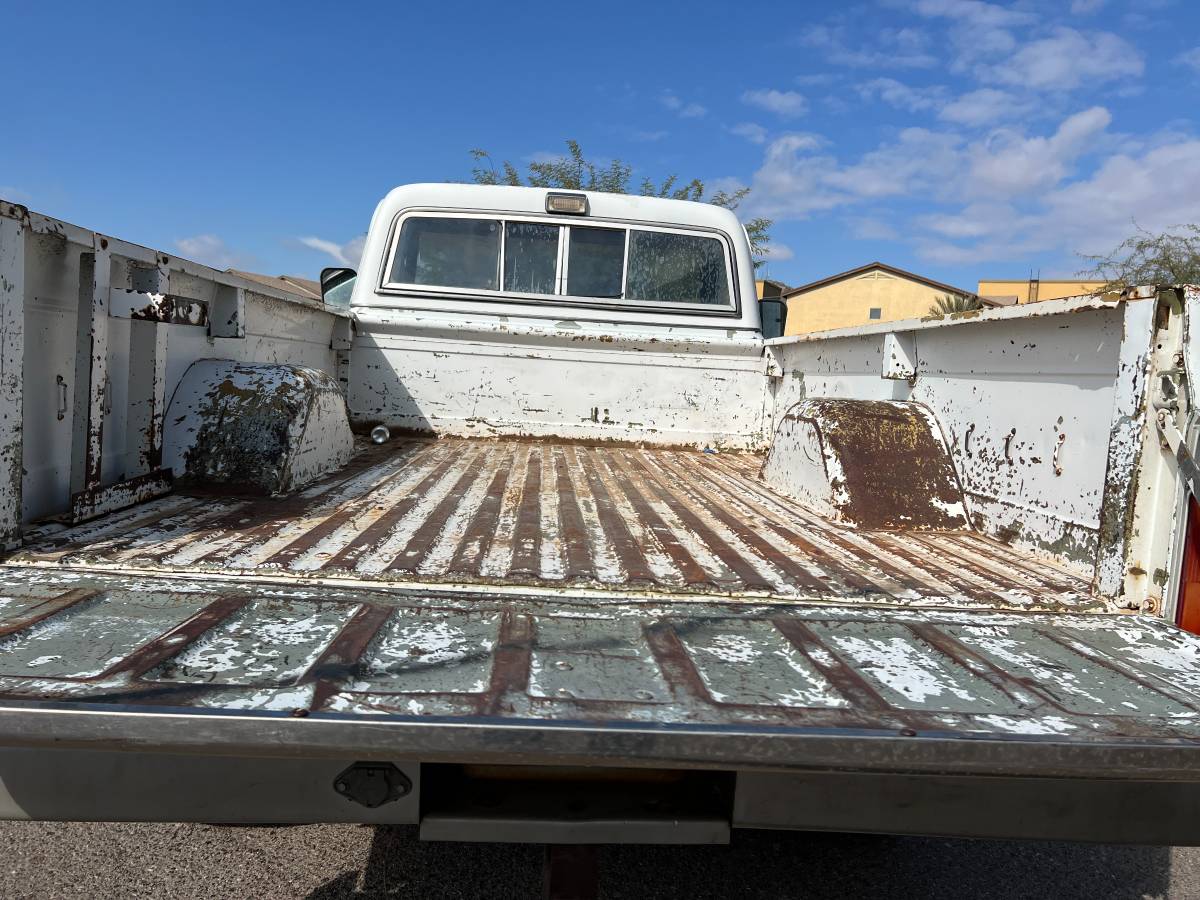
[(596, 263), (624, 265), (530, 257)]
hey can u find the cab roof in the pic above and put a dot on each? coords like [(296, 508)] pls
[(530, 200)]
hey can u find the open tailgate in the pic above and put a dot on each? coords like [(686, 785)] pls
[(200, 667)]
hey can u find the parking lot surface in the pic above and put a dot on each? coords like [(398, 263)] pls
[(331, 862)]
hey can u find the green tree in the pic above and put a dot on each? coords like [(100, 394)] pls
[(574, 172), (1146, 257), (948, 304)]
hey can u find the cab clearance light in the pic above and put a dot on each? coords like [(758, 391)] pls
[(572, 204)]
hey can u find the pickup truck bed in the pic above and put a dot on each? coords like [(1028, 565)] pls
[(547, 517), (457, 579), (543, 622)]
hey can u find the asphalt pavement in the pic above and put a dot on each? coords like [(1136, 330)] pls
[(330, 862)]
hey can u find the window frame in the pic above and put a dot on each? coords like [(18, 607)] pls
[(386, 287)]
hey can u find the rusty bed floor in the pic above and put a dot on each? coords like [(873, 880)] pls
[(556, 517)]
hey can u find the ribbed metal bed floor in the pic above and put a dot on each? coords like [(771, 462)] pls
[(558, 517)]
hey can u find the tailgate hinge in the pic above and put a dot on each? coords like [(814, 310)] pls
[(1174, 440)]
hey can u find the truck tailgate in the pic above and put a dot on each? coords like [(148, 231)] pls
[(88, 660)]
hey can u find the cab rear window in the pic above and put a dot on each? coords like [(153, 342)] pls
[(539, 259)]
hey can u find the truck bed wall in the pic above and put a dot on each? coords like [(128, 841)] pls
[(276, 326), (1004, 385), (573, 379)]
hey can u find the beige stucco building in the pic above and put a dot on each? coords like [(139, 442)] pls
[(875, 292), (1005, 292)]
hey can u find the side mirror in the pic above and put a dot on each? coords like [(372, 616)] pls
[(773, 314), (337, 284)]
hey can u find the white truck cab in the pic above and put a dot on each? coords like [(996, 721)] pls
[(460, 286)]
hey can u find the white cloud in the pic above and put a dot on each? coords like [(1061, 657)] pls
[(1190, 58), (815, 80), (974, 221), (872, 228), (348, 254), (986, 106), (1067, 59), (727, 183), (799, 177), (973, 12), (1091, 215), (649, 136), (671, 101), (776, 252), (916, 160), (894, 48), (786, 104), (752, 132), (213, 251), (1009, 164), (792, 182), (1009, 171), (903, 96), (1006, 196), (1158, 189), (978, 30)]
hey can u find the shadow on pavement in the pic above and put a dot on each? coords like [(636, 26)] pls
[(766, 864)]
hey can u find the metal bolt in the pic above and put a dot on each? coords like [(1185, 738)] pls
[(380, 434)]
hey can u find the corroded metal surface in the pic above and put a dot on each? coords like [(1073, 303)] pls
[(266, 427), (549, 517), (146, 643), (12, 355), (167, 309), (872, 463)]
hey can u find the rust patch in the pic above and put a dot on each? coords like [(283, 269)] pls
[(895, 471)]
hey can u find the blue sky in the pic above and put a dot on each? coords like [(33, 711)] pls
[(958, 138)]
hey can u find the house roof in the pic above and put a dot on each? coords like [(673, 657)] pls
[(1042, 281), (892, 270), (297, 285)]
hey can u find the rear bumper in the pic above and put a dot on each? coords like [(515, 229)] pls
[(115, 785)]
